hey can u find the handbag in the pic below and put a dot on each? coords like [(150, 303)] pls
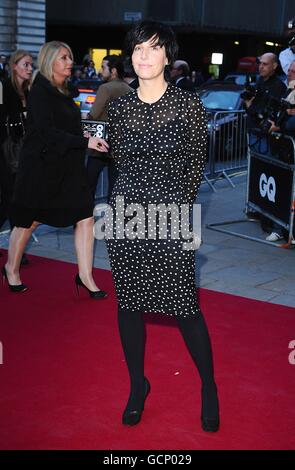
[(12, 145)]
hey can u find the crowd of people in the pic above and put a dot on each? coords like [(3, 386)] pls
[(51, 186), (17, 74), (270, 110)]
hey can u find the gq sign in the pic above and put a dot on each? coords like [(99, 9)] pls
[(95, 128), (271, 187), (267, 187)]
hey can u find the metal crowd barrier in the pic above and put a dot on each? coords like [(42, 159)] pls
[(270, 185), (227, 145)]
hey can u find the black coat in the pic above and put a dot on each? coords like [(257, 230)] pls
[(273, 87), (52, 170), (185, 84), (11, 109)]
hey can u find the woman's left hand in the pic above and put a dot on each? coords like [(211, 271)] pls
[(100, 145)]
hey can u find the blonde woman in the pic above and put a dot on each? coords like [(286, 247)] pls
[(51, 185), (12, 125)]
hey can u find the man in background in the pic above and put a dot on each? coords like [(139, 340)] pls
[(180, 75), (268, 85), (288, 55), (112, 72)]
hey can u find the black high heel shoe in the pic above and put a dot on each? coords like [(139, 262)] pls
[(18, 288), (98, 294), (210, 424), (131, 418)]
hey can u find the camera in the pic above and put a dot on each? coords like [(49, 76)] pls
[(275, 110), (249, 93)]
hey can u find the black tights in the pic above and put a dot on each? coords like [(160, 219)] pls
[(196, 337)]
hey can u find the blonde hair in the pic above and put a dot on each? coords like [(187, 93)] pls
[(14, 59), (46, 57)]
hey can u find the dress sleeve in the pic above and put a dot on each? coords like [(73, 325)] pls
[(42, 115), (196, 146), (114, 132)]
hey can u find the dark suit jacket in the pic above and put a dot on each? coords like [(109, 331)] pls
[(272, 87), (52, 170), (185, 84)]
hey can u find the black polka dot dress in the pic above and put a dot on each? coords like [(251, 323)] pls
[(160, 153)]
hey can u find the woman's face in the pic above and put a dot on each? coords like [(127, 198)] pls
[(62, 66), (24, 68), (149, 60)]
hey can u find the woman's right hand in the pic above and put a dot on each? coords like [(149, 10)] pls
[(100, 145)]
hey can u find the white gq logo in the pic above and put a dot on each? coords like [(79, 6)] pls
[(267, 187), (99, 131)]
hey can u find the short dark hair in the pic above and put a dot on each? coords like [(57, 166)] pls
[(128, 69), (144, 31), (115, 62)]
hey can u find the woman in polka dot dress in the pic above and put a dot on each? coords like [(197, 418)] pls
[(158, 136)]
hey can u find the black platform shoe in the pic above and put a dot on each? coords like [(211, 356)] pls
[(12, 288), (97, 294), (131, 418), (210, 424)]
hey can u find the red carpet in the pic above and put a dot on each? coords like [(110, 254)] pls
[(64, 382)]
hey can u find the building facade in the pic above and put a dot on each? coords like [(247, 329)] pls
[(22, 25), (234, 28), (251, 16)]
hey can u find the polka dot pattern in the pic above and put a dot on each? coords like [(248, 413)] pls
[(160, 152)]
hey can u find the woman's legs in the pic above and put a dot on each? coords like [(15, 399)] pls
[(132, 333), (196, 337), (84, 241), (18, 240), (195, 334)]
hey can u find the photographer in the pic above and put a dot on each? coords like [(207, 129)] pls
[(286, 121), (268, 85), (288, 55), (257, 103)]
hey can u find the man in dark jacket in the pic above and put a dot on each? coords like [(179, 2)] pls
[(112, 72), (179, 74), (268, 85)]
